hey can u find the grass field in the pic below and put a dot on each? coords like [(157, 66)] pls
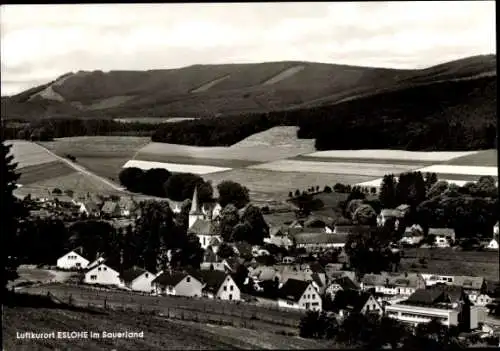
[(486, 158), (417, 163), (153, 120), (44, 171), (345, 168), (265, 185), (394, 155), (27, 154), (175, 167)]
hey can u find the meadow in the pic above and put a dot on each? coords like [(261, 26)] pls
[(29, 154), (36, 173), (174, 167), (485, 158), (394, 155)]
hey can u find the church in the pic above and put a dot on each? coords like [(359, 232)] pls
[(202, 219)]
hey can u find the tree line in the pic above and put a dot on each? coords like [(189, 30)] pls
[(47, 129), (457, 115)]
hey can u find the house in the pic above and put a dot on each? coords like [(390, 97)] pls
[(343, 283), (176, 206), (443, 233), (102, 274), (95, 263), (138, 279), (73, 260), (413, 235), (449, 305), (89, 208), (219, 285), (493, 244), (205, 230), (473, 286), (388, 214), (127, 206), (178, 284), (352, 301), (403, 284), (111, 209), (299, 294), (348, 229), (280, 241), (320, 241), (496, 230)]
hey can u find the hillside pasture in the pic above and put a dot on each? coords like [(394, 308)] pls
[(344, 168), (393, 155), (44, 171), (461, 170), (488, 270), (408, 162), (27, 153), (152, 120), (486, 158), (268, 185), (378, 182), (283, 136)]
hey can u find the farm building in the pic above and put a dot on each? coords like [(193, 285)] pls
[(219, 285), (320, 241), (299, 294), (403, 284), (103, 275), (137, 279), (445, 233), (73, 260), (178, 284), (111, 209), (90, 208), (343, 283)]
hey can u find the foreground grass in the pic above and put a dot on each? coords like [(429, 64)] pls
[(39, 314)]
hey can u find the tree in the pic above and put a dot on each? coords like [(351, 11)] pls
[(339, 188), (181, 186), (387, 195), (242, 232), (57, 191), (486, 187), (297, 192), (232, 193), (437, 189), (225, 251), (153, 180), (365, 215), (229, 218), (430, 180), (352, 206), (12, 211), (290, 194), (260, 230), (131, 178), (327, 189)]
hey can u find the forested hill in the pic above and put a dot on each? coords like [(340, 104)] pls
[(450, 115), (223, 90)]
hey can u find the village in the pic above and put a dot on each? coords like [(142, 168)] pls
[(300, 266)]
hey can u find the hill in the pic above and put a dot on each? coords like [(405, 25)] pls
[(227, 89)]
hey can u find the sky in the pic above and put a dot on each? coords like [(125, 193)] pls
[(42, 42)]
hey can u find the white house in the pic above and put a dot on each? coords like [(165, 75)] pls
[(493, 244), (219, 285), (138, 279), (178, 284), (72, 260), (102, 274), (496, 229), (299, 294)]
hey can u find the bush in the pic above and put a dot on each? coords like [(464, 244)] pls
[(327, 189)]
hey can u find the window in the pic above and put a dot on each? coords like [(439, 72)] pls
[(99, 269), (315, 304), (146, 275), (188, 279), (225, 288), (105, 268), (78, 264), (93, 277), (230, 296), (231, 288)]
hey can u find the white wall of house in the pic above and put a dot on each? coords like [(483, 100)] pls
[(310, 299), (493, 245), (483, 300), (289, 304), (72, 260), (205, 240), (188, 286), (104, 275), (143, 282), (229, 290), (415, 315), (372, 306)]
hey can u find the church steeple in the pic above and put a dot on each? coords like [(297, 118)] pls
[(195, 205)]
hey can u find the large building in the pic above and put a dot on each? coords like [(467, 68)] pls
[(201, 219), (450, 305)]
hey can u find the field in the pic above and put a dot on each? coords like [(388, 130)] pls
[(29, 154), (44, 171), (174, 167), (473, 263), (395, 155), (266, 185), (152, 120), (486, 158), (103, 155), (340, 168)]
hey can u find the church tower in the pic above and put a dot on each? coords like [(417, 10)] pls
[(195, 212)]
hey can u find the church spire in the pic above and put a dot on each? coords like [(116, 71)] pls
[(195, 206)]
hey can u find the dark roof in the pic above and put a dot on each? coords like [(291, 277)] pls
[(293, 289), (346, 283), (130, 274), (425, 296), (91, 206), (202, 227), (212, 279), (243, 248), (170, 278), (351, 300), (442, 231), (320, 238), (315, 276), (317, 267), (347, 229), (469, 282)]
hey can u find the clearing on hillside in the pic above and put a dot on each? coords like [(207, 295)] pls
[(44, 171), (461, 170), (27, 153), (174, 167), (283, 136)]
